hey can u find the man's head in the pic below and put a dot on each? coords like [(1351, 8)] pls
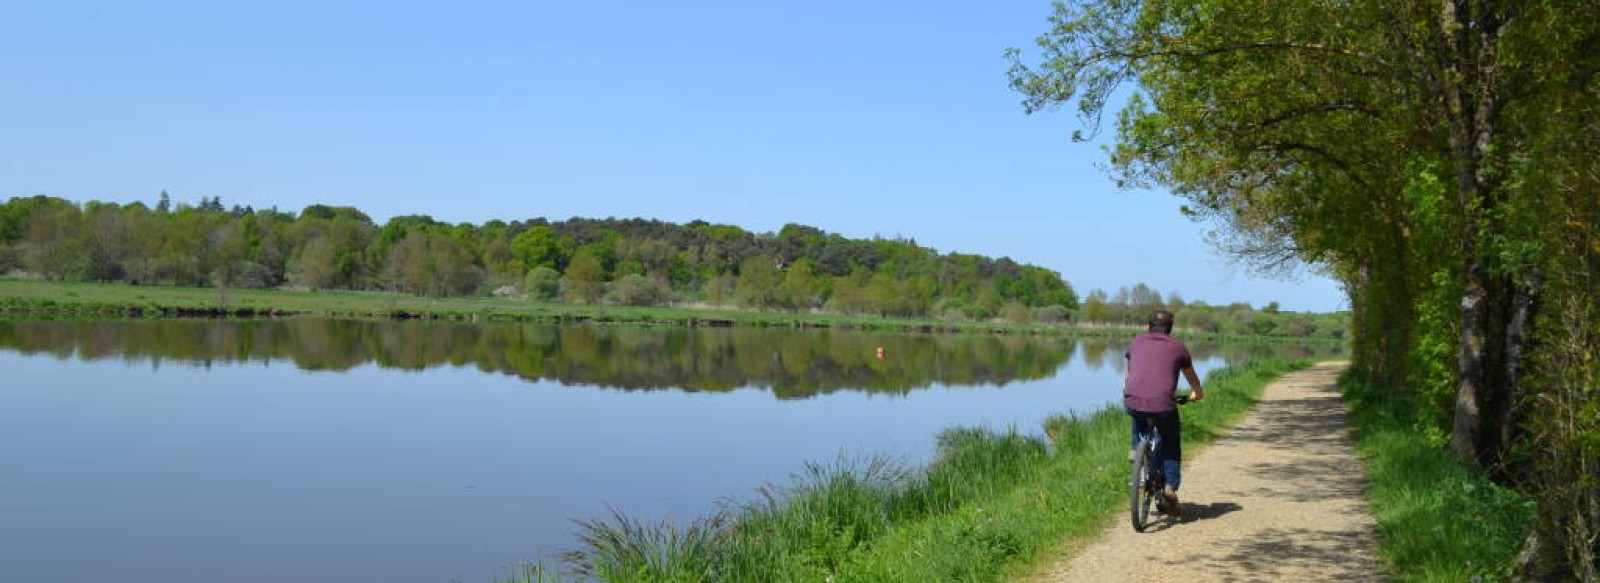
[(1161, 321)]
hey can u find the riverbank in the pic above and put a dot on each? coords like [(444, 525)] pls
[(80, 300), (991, 506)]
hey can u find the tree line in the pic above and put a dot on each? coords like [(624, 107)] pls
[(1441, 157), (635, 262), (1131, 306)]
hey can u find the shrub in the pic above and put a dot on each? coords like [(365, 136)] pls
[(542, 283), (636, 290)]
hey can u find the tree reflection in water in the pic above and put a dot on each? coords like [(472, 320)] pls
[(791, 363)]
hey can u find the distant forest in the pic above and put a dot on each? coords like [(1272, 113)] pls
[(635, 262)]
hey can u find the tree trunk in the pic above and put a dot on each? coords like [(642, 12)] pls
[(1471, 95), (1470, 366), (1541, 560), (1520, 323)]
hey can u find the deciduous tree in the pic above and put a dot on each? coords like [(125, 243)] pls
[(584, 279)]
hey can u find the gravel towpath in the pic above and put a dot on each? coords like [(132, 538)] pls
[(1277, 498)]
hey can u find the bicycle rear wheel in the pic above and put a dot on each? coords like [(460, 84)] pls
[(1140, 496)]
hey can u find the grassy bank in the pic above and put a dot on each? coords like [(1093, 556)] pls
[(77, 299), (1437, 519), (54, 299), (990, 506)]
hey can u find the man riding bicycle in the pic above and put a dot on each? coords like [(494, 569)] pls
[(1150, 388)]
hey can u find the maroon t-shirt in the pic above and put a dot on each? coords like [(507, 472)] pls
[(1154, 361)]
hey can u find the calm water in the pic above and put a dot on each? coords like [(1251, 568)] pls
[(328, 450)]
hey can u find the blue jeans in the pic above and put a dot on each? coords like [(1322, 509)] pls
[(1170, 451)]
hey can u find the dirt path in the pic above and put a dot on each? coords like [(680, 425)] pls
[(1278, 498)]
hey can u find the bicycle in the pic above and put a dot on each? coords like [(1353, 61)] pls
[(1147, 483)]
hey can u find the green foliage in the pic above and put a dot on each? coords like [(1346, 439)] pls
[(584, 279), (810, 529), (802, 288), (339, 248), (1563, 409), (636, 290), (328, 213), (850, 295), (760, 284), (431, 264), (719, 290), (540, 247), (820, 526), (333, 249), (313, 265), (1437, 519), (1055, 314), (624, 549), (899, 297), (1131, 307), (1432, 356), (1442, 164), (542, 283), (1015, 312), (1095, 309)]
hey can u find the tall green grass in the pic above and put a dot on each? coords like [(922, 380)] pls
[(991, 505), (528, 573), (1437, 519), (640, 551)]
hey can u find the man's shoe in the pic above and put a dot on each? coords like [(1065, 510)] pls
[(1170, 496), (1133, 455)]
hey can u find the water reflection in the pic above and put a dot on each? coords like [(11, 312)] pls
[(127, 452), (792, 364)]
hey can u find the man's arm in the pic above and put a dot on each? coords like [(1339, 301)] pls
[(1197, 392)]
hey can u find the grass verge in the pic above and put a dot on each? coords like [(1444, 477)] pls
[(990, 506), (56, 299), (1437, 519)]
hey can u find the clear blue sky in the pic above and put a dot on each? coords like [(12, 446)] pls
[(861, 118)]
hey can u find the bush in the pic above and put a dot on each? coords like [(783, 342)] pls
[(542, 283), (1053, 314), (636, 290), (8, 259), (1017, 313)]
